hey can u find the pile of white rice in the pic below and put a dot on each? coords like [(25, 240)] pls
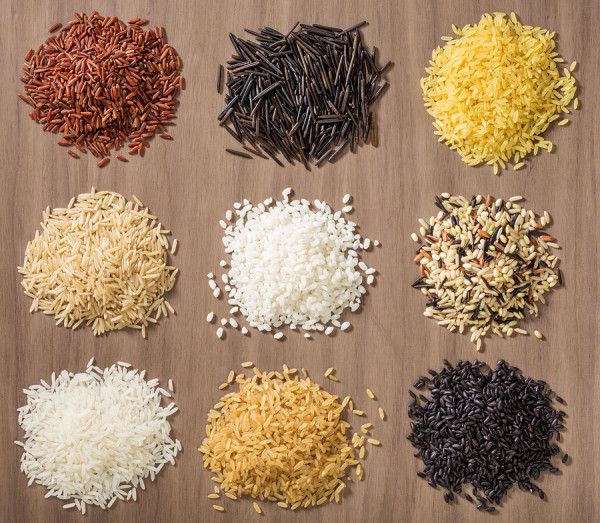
[(293, 263), (95, 437), (101, 260)]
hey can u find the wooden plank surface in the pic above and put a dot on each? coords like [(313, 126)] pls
[(190, 183)]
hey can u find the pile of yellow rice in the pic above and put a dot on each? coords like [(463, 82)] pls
[(495, 88)]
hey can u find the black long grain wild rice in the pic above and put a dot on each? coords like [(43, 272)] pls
[(490, 429), (220, 79), (306, 95), (239, 153)]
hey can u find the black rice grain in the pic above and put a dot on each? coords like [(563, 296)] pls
[(489, 428)]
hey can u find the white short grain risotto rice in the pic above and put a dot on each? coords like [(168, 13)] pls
[(293, 263)]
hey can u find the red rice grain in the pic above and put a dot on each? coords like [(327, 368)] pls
[(103, 84), (72, 154), (103, 162), (54, 27)]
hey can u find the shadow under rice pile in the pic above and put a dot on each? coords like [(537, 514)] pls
[(495, 88), (484, 263), (103, 83), (281, 438), (307, 94), (101, 261), (292, 263), (95, 437), (490, 429)]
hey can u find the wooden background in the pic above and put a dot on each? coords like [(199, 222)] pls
[(190, 183)]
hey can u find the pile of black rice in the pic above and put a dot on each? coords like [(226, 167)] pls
[(306, 94), (490, 429)]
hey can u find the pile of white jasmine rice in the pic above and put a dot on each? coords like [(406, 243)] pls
[(95, 437), (293, 263)]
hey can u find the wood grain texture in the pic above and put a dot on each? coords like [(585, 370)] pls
[(190, 182)]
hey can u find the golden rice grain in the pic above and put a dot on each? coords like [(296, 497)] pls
[(370, 394), (261, 441), (257, 507), (218, 508)]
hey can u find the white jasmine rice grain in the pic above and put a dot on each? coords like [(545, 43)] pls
[(223, 322), (345, 325), (346, 198), (210, 275), (233, 323), (244, 330), (329, 331), (220, 332), (278, 336), (217, 292), (210, 316), (347, 208), (122, 435)]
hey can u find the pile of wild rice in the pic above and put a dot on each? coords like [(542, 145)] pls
[(292, 263), (484, 263), (489, 429), (102, 261), (281, 438), (102, 83), (95, 437), (306, 94), (495, 89)]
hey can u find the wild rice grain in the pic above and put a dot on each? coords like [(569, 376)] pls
[(305, 95)]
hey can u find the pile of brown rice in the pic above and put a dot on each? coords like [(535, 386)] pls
[(280, 438), (495, 88), (102, 261)]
